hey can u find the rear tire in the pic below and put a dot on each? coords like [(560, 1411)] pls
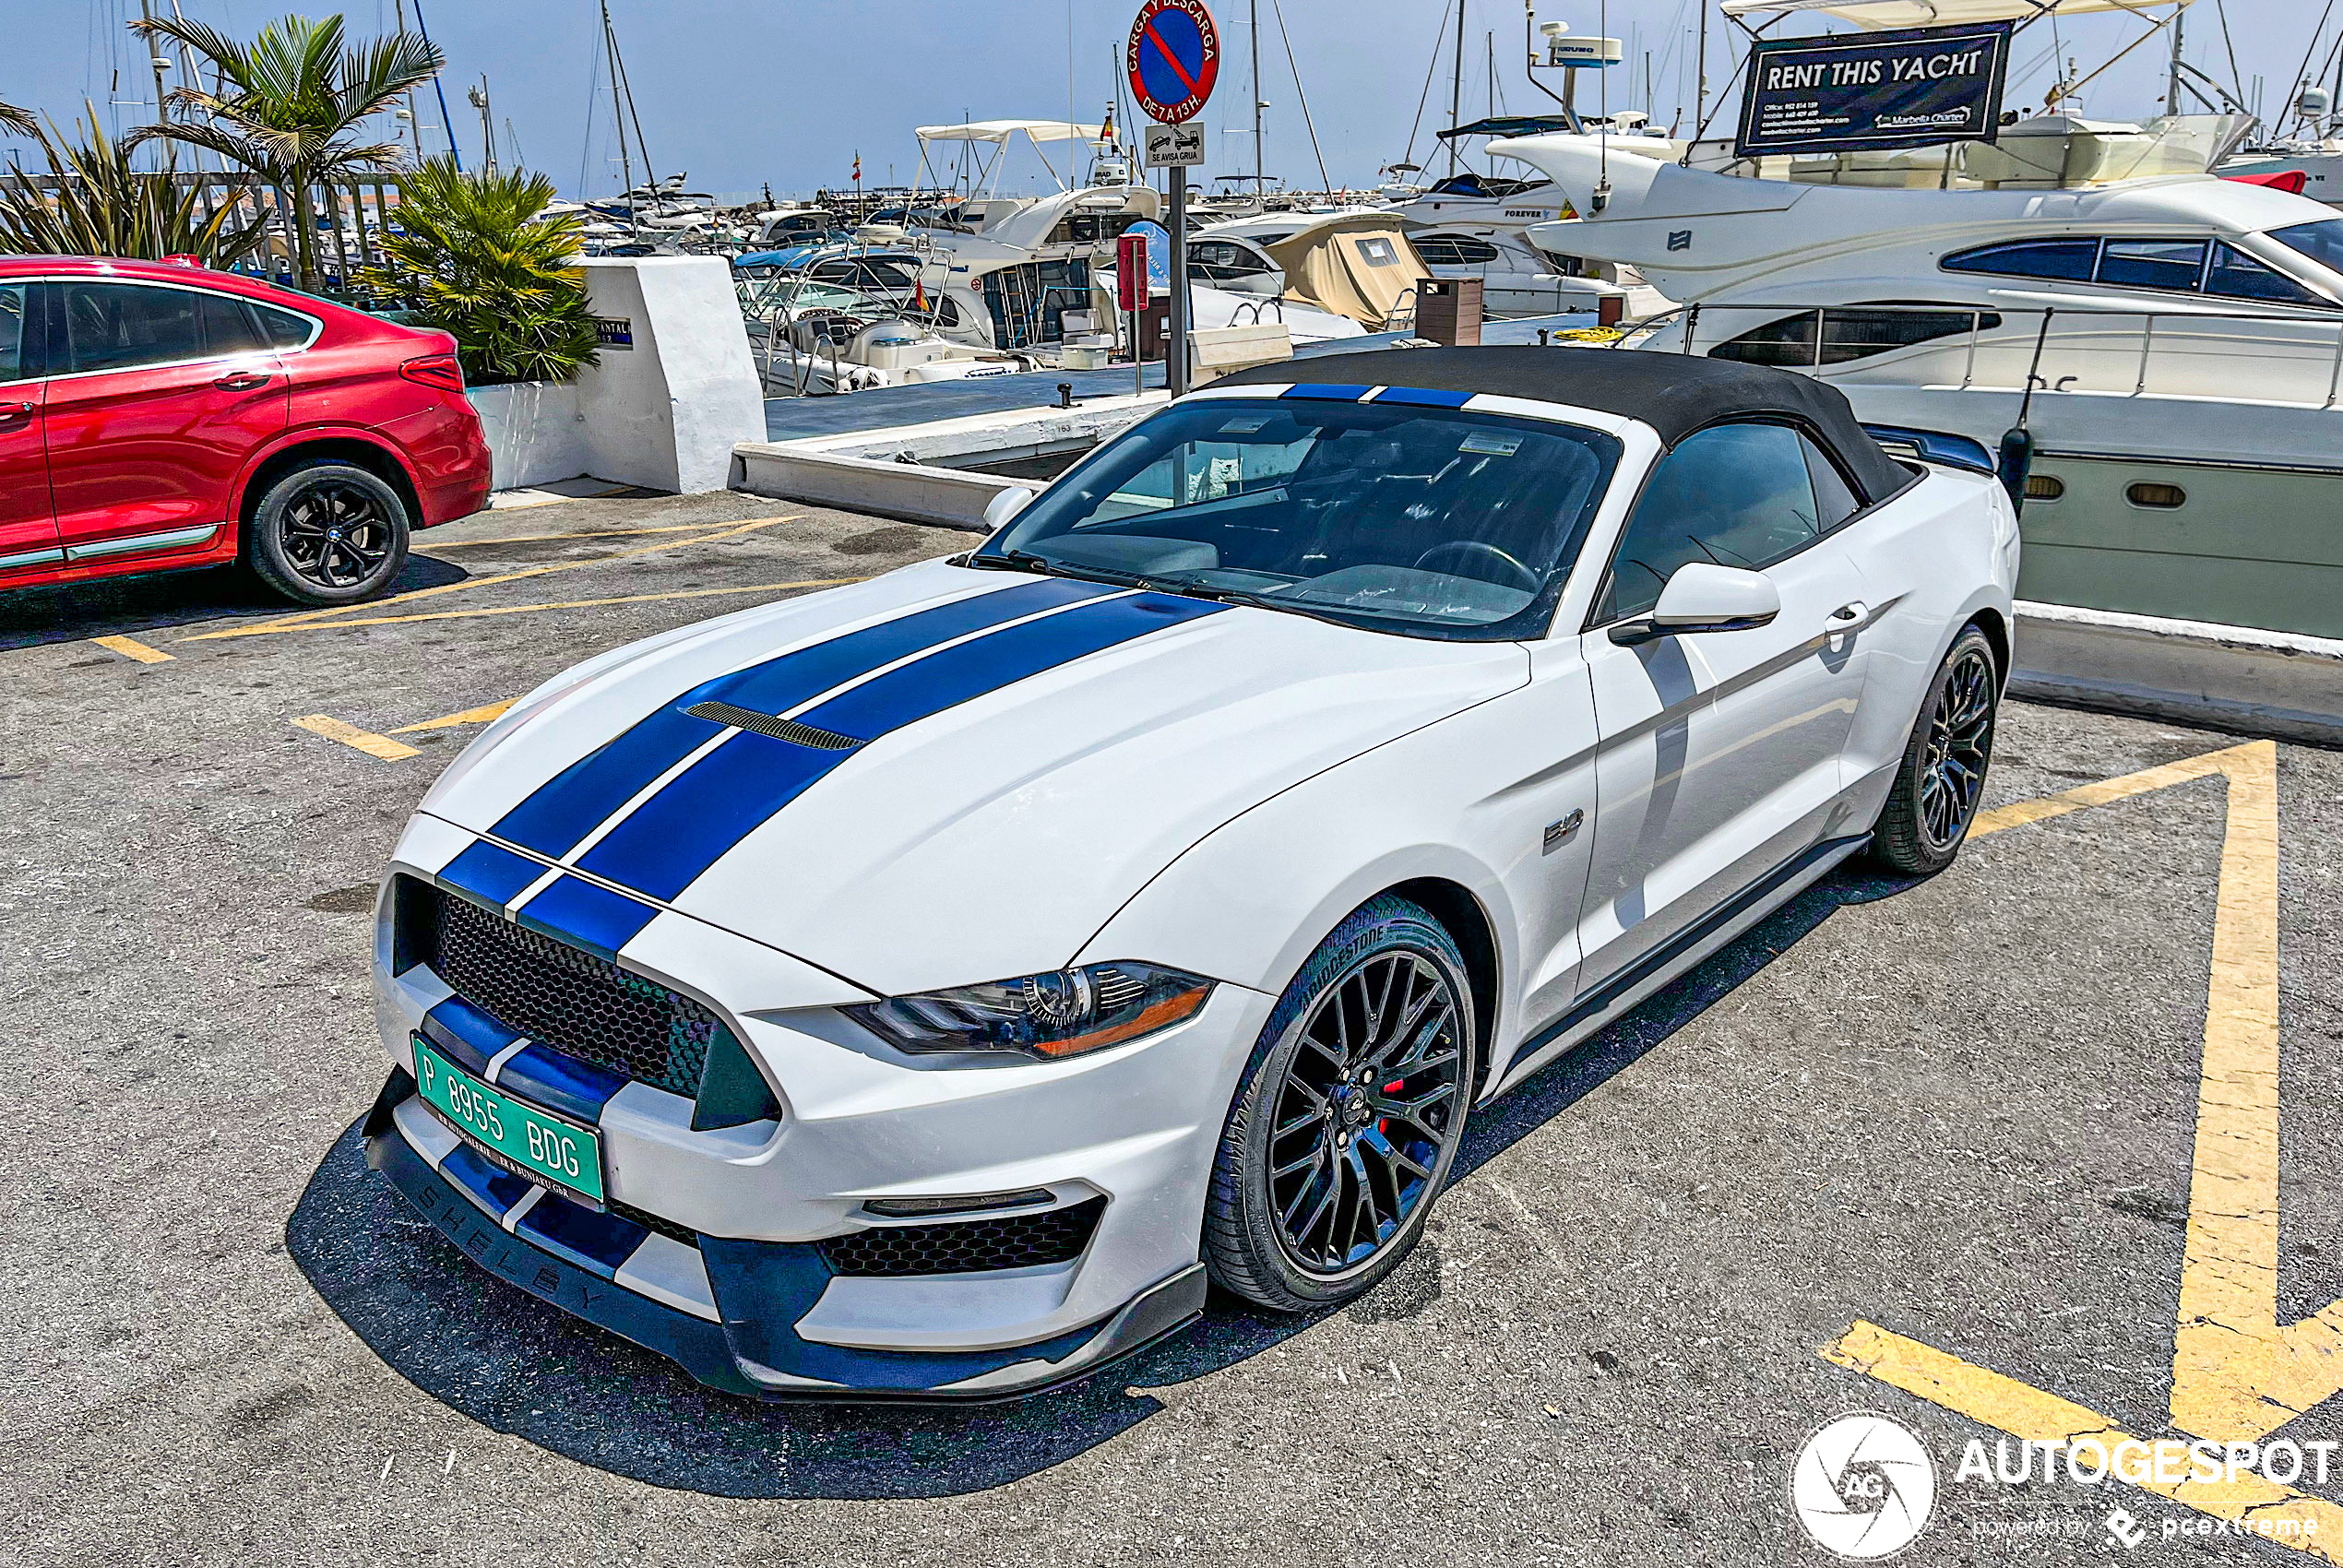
[(1942, 777), (1348, 1116), (329, 533)]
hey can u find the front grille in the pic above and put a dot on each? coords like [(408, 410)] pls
[(974, 1246), (650, 1221), (570, 1000)]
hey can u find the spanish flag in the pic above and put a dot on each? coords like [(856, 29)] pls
[(858, 168)]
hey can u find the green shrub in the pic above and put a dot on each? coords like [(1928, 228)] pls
[(478, 258)]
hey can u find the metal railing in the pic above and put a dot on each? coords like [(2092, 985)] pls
[(1782, 310), (351, 217)]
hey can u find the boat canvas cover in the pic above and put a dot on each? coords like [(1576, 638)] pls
[(1883, 14), (1361, 266), (999, 131)]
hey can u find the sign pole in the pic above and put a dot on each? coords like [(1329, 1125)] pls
[(1176, 359), (1174, 58)]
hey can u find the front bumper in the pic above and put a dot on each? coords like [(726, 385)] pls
[(744, 1221), (580, 1261)]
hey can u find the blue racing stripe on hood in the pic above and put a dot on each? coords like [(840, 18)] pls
[(690, 824), (565, 808)]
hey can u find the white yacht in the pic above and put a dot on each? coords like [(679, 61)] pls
[(1002, 271), (2173, 344)]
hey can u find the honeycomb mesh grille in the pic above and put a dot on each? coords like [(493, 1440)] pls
[(973, 1246), (568, 999), (650, 1221)]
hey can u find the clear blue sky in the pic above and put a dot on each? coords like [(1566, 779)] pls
[(741, 93)]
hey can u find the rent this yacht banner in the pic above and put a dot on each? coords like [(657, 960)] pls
[(1883, 90)]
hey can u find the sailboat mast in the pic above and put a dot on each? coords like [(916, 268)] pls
[(1259, 182), (618, 119), (1700, 74), (2172, 90), (1456, 87)]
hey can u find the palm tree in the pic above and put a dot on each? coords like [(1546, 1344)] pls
[(477, 256), (18, 121), (288, 104)]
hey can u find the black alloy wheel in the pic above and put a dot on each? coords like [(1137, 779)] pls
[(1350, 1115), (1941, 780), (329, 533)]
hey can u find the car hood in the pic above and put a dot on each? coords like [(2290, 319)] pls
[(942, 775)]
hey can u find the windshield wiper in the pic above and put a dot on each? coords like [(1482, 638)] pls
[(1010, 561)]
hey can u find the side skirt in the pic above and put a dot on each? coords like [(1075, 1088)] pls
[(1681, 951)]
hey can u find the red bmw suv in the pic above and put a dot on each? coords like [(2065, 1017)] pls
[(160, 415)]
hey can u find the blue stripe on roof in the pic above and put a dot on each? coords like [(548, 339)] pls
[(1424, 396), (563, 810), (599, 1243), (674, 836), (493, 874), (494, 1189), (1327, 389), (577, 911), (560, 1083)]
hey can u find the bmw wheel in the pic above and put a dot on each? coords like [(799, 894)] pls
[(1349, 1117), (1943, 775), (329, 533)]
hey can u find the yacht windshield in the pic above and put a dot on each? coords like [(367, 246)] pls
[(2321, 241), (1393, 516)]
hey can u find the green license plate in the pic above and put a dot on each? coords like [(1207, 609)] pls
[(536, 1145)]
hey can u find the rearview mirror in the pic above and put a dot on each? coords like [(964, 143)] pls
[(1703, 597), (1005, 505)]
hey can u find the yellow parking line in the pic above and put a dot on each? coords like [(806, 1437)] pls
[(323, 617), (2007, 1405), (528, 608), (487, 715), (131, 648), (333, 729), (2109, 791), (436, 544)]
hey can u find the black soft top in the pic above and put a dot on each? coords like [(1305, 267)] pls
[(1674, 394)]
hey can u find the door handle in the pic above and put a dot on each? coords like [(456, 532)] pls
[(1849, 618), (242, 381), (11, 412)]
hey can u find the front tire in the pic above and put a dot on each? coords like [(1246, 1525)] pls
[(329, 533), (1942, 778), (1349, 1117)]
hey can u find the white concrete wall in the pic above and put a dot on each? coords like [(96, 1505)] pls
[(664, 414), (2281, 684)]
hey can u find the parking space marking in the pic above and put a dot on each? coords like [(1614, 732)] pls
[(366, 741), (2238, 1375), (324, 619), (439, 544), (557, 604), (486, 714), (131, 648), (2026, 1412)]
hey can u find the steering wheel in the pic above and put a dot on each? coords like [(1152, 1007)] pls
[(1523, 577)]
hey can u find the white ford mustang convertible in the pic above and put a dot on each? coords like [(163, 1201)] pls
[(923, 988)]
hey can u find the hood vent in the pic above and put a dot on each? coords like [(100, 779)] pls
[(766, 724)]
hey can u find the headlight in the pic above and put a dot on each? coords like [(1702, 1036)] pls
[(1049, 1015)]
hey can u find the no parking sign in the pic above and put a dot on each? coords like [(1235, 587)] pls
[(1174, 58)]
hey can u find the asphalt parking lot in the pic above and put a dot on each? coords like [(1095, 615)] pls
[(1924, 1150)]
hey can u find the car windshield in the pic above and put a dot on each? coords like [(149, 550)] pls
[(2321, 241), (1390, 515)]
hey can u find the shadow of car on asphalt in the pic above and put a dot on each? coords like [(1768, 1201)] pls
[(105, 606), (514, 1363)]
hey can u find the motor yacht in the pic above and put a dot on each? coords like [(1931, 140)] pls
[(2172, 344)]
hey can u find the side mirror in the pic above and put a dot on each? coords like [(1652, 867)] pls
[(1701, 598), (1006, 504)]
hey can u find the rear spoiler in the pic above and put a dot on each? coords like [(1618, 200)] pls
[(1934, 446)]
